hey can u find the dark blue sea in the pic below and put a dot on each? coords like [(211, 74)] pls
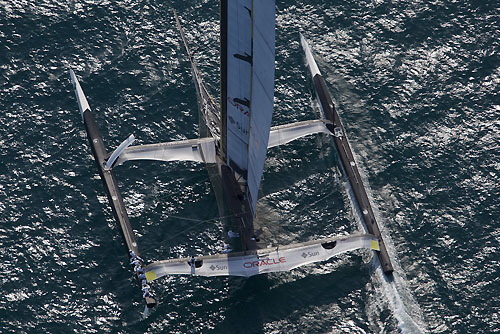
[(416, 84)]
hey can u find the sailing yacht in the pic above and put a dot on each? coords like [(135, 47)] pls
[(233, 144)]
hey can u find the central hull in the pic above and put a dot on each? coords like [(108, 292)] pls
[(234, 206)]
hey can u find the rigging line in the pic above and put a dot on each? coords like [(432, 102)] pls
[(199, 222), (192, 219), (188, 228), (207, 220), (314, 203), (185, 230), (175, 235)]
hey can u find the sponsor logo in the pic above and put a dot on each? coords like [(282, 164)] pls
[(238, 125), (264, 262), (217, 267), (238, 106), (309, 254)]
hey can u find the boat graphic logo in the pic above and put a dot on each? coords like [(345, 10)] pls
[(264, 262), (217, 267), (310, 254)]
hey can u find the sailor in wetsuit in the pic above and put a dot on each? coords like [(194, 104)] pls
[(227, 249), (191, 262)]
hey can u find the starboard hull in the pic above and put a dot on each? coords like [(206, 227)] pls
[(346, 158)]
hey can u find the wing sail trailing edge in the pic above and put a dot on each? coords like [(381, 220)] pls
[(282, 258), (247, 86)]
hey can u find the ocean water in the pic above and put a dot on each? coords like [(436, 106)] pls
[(417, 86)]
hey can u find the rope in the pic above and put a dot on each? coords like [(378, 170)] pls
[(313, 203), (199, 222)]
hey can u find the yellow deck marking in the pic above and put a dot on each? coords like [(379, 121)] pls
[(374, 245), (150, 275)]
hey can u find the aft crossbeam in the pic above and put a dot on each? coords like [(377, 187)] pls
[(282, 258)]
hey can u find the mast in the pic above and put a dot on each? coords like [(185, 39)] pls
[(223, 82)]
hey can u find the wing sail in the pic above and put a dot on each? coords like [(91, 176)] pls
[(247, 86), (263, 13)]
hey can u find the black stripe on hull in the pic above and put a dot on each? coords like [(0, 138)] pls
[(347, 160)]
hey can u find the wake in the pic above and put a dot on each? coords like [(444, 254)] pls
[(394, 292)]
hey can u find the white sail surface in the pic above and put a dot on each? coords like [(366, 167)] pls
[(282, 258), (247, 86)]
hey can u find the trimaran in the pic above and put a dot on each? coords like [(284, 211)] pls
[(233, 144)]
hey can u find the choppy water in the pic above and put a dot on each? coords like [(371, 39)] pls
[(416, 84)]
